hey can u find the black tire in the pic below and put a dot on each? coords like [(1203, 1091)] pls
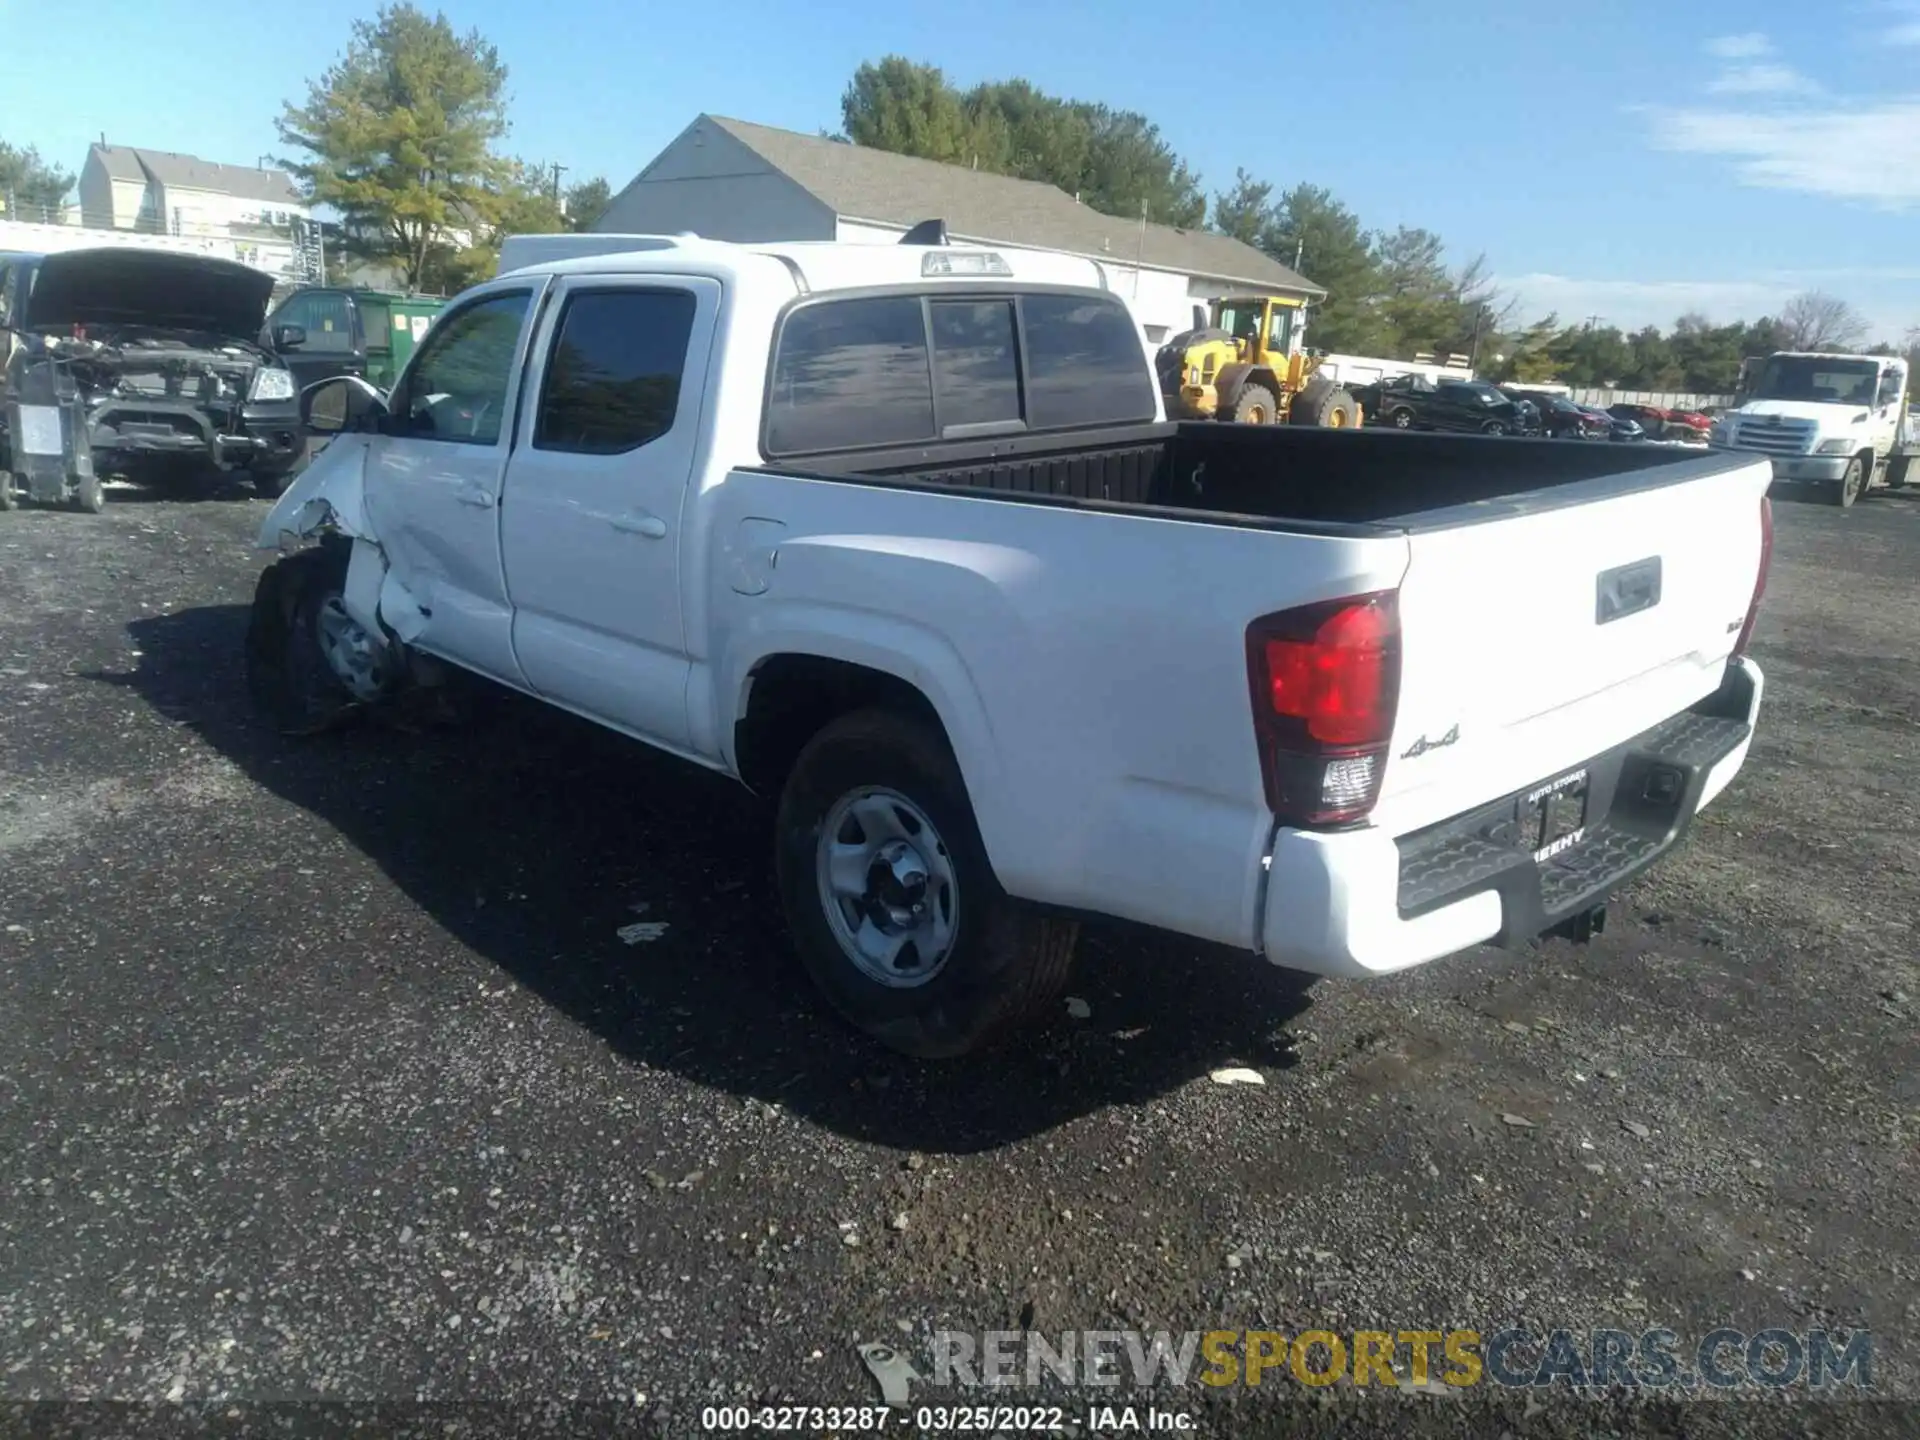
[(9, 498), (1850, 486), (1255, 405), (1401, 419), (1008, 963), (1494, 427), (1330, 407), (1896, 473), (89, 495), (287, 674)]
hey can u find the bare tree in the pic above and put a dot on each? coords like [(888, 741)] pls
[(1818, 321)]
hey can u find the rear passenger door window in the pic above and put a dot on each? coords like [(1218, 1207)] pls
[(976, 366), (851, 374), (612, 383)]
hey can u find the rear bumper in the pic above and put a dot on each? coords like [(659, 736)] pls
[(1363, 903)]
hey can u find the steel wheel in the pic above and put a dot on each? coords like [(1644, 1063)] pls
[(1402, 419), (357, 659), (1494, 427), (887, 887)]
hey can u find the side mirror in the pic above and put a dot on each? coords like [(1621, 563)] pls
[(341, 403), (289, 337)]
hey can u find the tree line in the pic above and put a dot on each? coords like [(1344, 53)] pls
[(405, 138), (1393, 293)]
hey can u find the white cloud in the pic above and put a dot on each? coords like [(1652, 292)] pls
[(1761, 80), (1870, 153), (1750, 46), (1634, 304)]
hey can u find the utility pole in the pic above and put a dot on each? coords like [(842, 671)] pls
[(1593, 321), (1140, 254), (557, 168)]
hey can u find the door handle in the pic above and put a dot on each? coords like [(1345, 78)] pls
[(641, 523), (471, 494)]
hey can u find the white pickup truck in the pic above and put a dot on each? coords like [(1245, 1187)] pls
[(897, 536), (1835, 421)]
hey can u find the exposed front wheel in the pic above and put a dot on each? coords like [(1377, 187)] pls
[(1494, 427), (893, 906), (1402, 419), (1849, 486), (310, 664)]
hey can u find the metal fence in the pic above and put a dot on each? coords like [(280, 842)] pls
[(1604, 396)]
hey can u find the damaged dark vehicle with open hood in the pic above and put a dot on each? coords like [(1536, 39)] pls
[(146, 364)]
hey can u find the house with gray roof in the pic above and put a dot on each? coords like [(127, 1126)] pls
[(125, 187), (731, 180)]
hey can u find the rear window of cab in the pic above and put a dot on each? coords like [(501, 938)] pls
[(872, 371)]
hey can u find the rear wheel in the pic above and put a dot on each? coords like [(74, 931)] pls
[(893, 906), (89, 495), (1255, 405), (1849, 487), (1897, 473)]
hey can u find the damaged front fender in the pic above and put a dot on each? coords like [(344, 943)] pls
[(329, 499), (329, 496)]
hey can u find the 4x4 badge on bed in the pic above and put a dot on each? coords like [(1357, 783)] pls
[(1423, 745)]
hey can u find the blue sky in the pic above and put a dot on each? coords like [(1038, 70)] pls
[(1630, 160)]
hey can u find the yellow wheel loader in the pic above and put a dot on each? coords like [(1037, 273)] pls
[(1249, 364)]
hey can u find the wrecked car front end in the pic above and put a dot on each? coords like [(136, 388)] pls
[(153, 358)]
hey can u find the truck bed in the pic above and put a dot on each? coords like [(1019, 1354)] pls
[(1332, 481)]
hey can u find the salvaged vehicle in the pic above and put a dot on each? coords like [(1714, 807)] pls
[(899, 537), (142, 363)]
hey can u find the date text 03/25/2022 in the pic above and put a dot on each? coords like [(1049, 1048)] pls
[(945, 1419)]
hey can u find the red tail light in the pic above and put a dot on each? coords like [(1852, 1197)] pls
[(1326, 682), (1760, 580)]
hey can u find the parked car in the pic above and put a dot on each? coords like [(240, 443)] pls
[(320, 331), (143, 363), (1651, 419), (896, 536), (1412, 402), (1692, 426), (1562, 419), (1527, 414), (1615, 427)]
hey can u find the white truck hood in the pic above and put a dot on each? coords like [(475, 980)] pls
[(1824, 414)]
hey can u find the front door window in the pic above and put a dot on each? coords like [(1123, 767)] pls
[(456, 389)]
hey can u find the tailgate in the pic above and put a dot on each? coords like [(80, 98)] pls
[(1535, 640)]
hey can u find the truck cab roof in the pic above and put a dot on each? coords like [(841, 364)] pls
[(813, 266)]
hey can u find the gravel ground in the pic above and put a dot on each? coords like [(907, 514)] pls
[(323, 1074)]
